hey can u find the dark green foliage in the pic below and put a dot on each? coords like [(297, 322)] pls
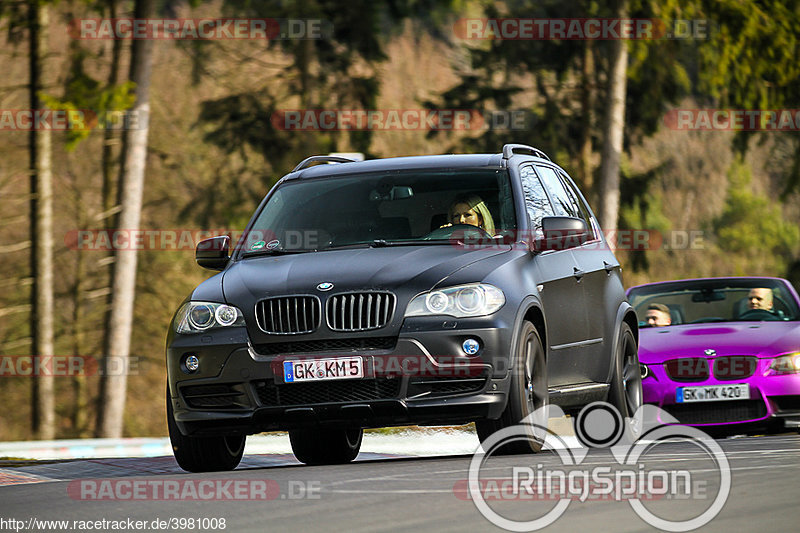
[(751, 225)]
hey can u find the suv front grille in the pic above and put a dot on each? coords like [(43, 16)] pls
[(327, 345), (360, 311), (361, 390), (288, 315)]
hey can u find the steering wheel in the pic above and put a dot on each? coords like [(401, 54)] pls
[(757, 314), (460, 231)]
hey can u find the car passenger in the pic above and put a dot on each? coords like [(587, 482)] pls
[(471, 209), (657, 316)]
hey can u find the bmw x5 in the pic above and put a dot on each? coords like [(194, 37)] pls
[(422, 290)]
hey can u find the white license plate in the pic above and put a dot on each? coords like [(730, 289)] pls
[(323, 369), (712, 393)]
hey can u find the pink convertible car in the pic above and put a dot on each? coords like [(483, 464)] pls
[(722, 353)]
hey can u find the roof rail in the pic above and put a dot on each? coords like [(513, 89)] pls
[(321, 159), (511, 149)]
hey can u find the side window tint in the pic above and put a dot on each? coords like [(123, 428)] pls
[(562, 203), (536, 202)]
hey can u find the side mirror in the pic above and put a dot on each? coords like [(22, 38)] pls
[(213, 253), (562, 233)]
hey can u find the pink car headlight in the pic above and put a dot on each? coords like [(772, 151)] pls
[(785, 364)]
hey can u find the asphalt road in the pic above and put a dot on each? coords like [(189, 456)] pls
[(393, 493)]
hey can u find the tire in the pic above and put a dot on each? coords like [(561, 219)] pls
[(625, 393), (321, 446), (203, 454), (528, 394)]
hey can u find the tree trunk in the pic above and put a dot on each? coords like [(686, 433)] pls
[(41, 208), (117, 340), (109, 135), (587, 103), (613, 130), (80, 387)]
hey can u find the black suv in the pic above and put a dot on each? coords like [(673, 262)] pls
[(415, 290)]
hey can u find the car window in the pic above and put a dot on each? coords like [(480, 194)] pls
[(562, 203), (537, 204), (314, 214), (701, 301), (577, 200)]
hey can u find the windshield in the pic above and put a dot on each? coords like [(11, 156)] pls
[(699, 301), (386, 208)]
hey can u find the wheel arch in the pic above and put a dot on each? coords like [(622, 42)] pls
[(625, 314), (531, 310), (535, 316)]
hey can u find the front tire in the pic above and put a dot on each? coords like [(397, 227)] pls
[(203, 454), (528, 394), (322, 446)]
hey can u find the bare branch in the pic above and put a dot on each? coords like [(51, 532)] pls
[(24, 245), (16, 309)]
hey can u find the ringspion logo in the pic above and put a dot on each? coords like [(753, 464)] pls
[(628, 476)]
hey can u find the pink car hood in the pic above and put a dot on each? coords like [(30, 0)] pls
[(762, 339)]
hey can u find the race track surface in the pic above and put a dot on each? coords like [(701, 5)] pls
[(384, 492)]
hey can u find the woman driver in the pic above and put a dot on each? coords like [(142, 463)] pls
[(470, 209)]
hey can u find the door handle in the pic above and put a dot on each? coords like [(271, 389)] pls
[(578, 273)]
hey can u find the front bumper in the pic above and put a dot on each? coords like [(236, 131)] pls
[(774, 400), (420, 377)]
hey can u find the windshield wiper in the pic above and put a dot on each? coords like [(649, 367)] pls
[(380, 243), (274, 251)]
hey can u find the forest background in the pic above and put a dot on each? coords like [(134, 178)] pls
[(712, 201)]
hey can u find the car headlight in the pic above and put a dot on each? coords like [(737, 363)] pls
[(477, 299), (194, 317), (785, 364)]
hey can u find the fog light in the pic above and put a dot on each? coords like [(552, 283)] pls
[(644, 370), (470, 346), (191, 363)]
